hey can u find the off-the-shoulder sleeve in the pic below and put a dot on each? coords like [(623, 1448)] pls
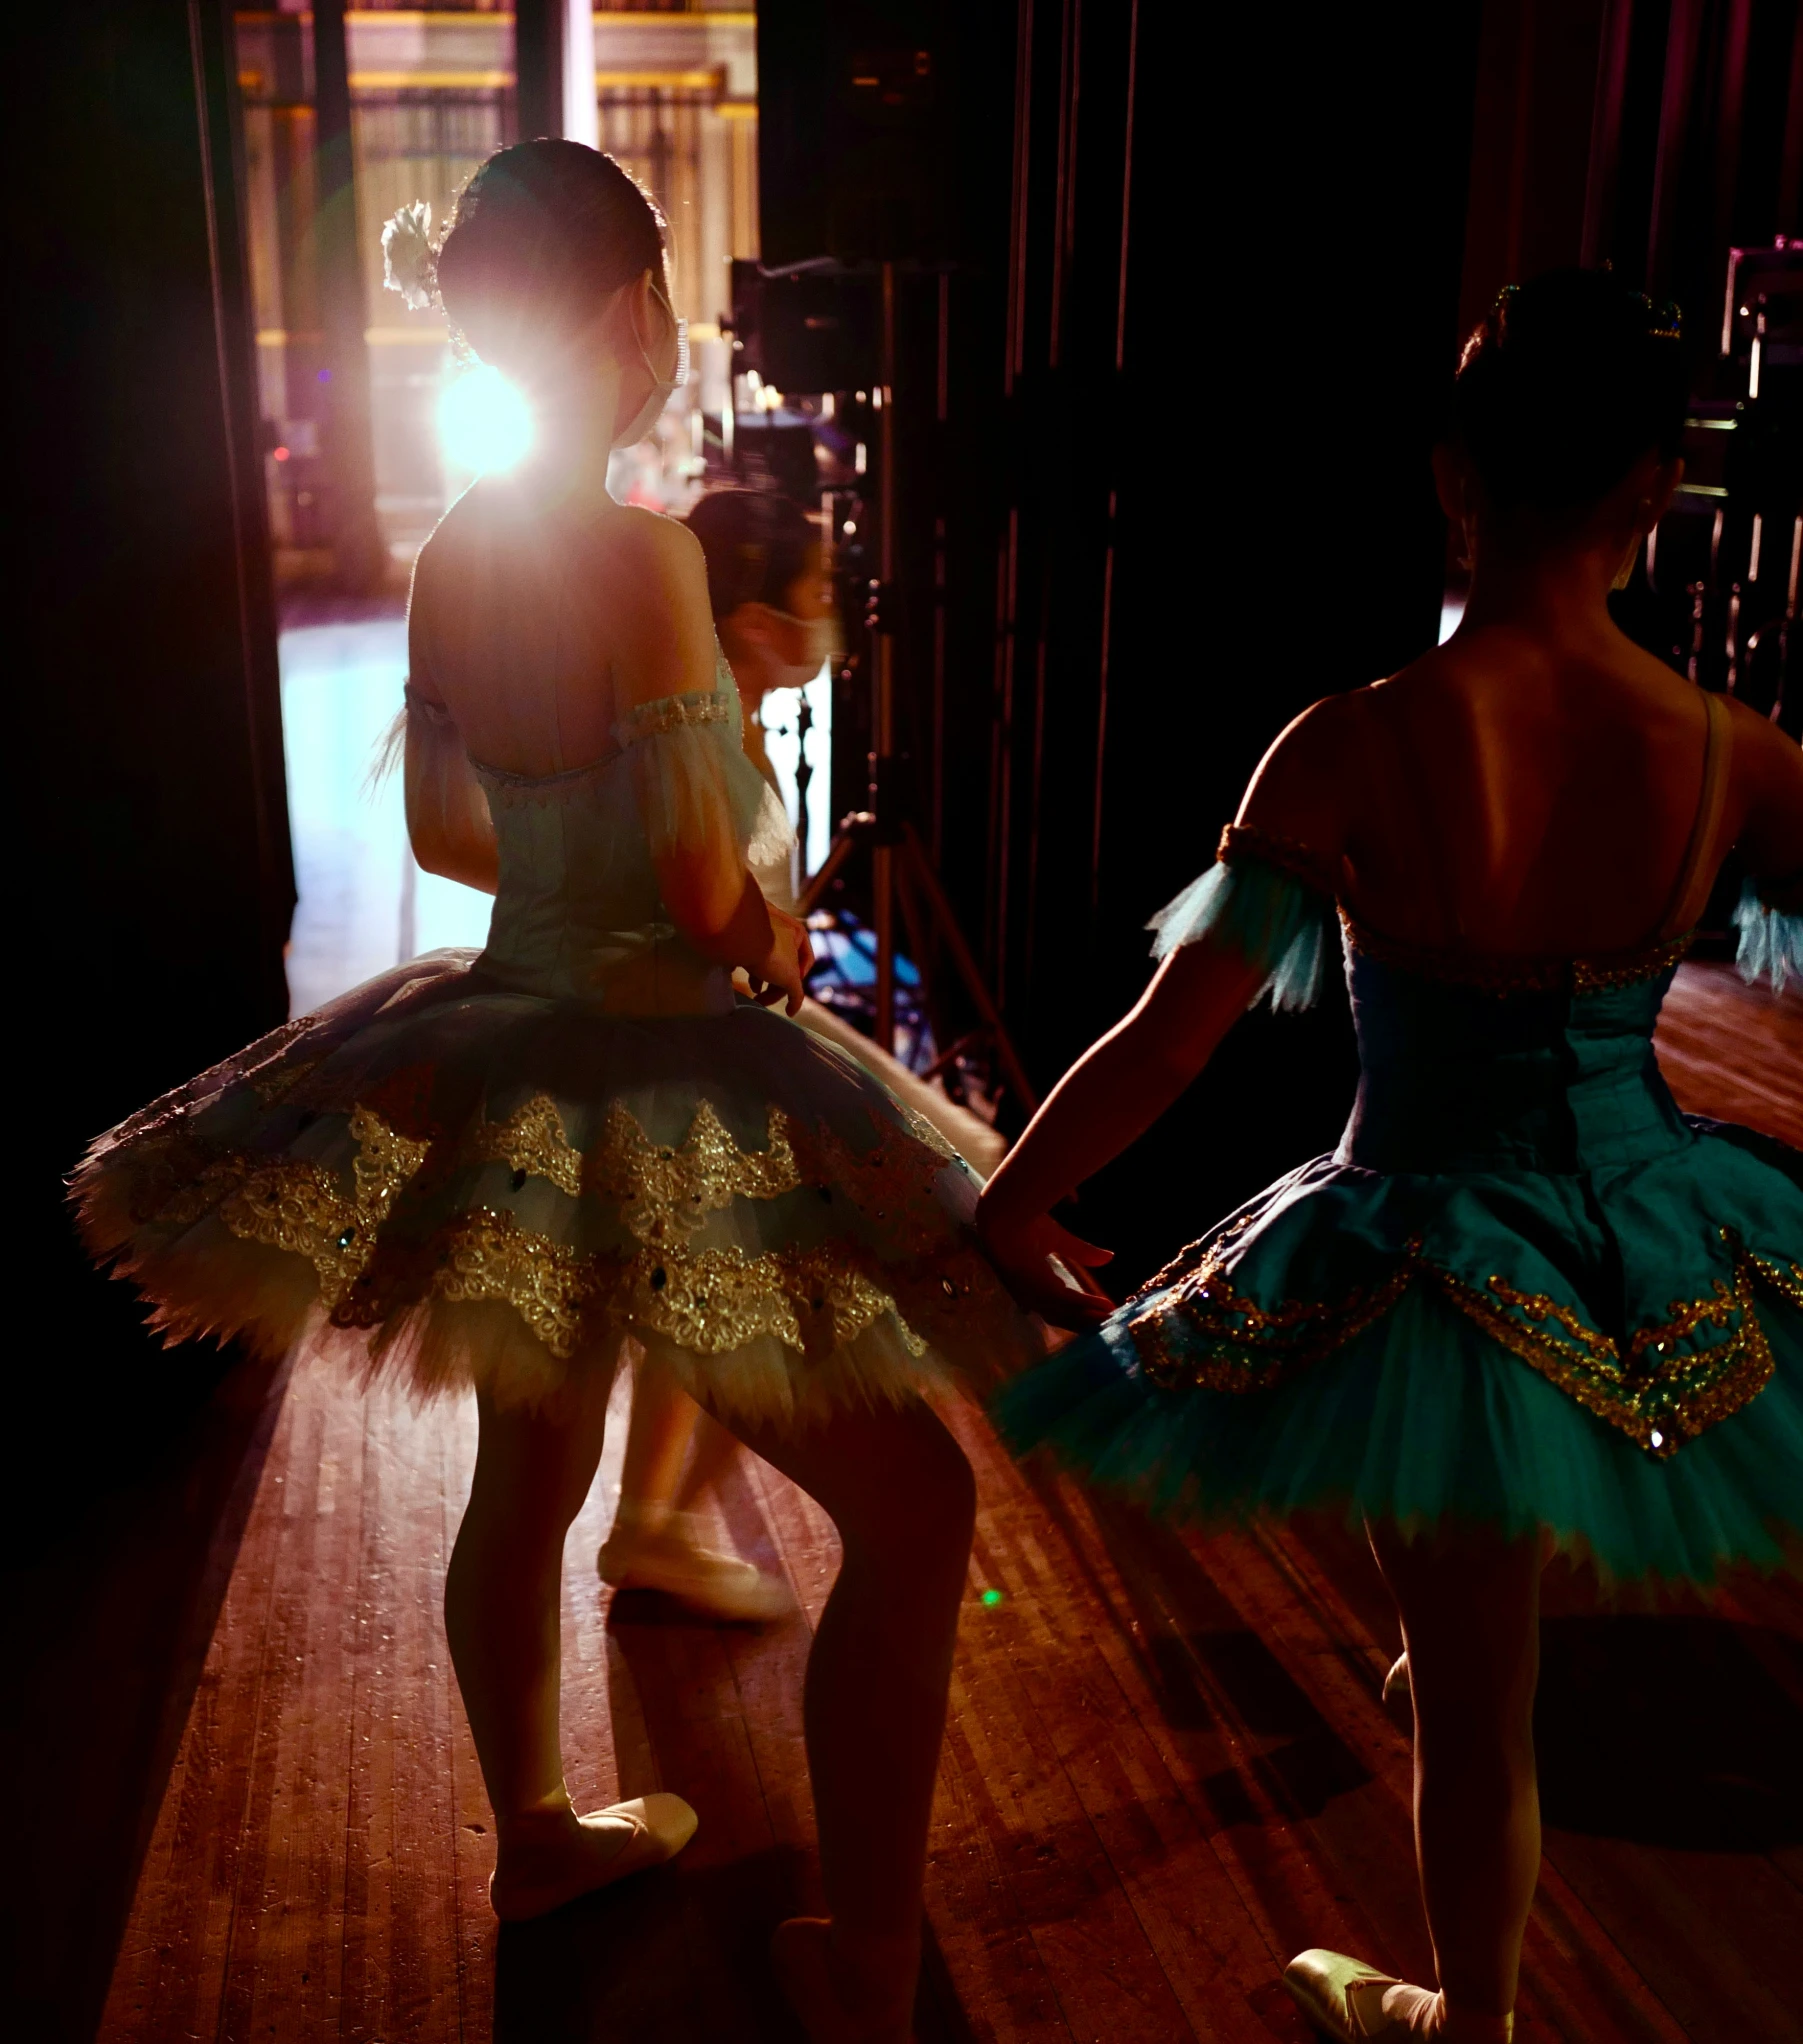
[(1770, 920), (1269, 901), (446, 806), (694, 786)]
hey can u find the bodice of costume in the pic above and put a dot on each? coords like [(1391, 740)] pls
[(1455, 1077), (577, 895)]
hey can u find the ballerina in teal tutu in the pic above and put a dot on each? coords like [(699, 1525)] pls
[(1526, 1305)]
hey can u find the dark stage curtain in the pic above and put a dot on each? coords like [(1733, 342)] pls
[(1651, 134), (154, 872), (153, 887), (1182, 491)]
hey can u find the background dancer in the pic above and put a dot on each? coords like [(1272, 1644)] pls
[(1526, 1305), (491, 1171), (773, 606)]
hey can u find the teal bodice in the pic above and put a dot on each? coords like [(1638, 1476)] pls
[(1455, 1078)]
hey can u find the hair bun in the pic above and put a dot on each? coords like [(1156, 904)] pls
[(1570, 379)]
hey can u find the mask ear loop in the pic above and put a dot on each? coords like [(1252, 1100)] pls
[(680, 375)]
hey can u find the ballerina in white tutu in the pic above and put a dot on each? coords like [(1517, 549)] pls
[(494, 1170)]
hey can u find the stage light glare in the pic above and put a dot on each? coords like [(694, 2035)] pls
[(484, 423)]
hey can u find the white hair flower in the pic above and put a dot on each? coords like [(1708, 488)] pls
[(410, 258)]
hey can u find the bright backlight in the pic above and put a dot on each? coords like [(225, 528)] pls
[(483, 422)]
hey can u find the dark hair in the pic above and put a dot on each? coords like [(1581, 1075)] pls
[(1569, 381), (756, 543), (542, 235)]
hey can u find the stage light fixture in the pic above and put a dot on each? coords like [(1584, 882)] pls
[(484, 423)]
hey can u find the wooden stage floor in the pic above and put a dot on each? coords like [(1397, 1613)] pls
[(1168, 1765)]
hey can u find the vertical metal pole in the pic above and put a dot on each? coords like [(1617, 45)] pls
[(883, 721), (359, 555), (538, 86)]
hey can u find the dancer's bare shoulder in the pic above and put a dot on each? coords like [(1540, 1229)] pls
[(1301, 790), (1768, 781), (661, 622)]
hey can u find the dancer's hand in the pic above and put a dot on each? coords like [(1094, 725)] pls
[(1045, 1266), (780, 975)]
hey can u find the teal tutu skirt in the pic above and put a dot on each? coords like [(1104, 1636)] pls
[(1614, 1357)]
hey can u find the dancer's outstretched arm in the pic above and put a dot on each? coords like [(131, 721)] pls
[(1108, 1099), (1128, 1078)]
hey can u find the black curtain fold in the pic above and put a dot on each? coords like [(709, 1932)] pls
[(157, 883)]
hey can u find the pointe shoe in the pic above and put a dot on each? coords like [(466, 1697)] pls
[(1397, 1686), (801, 1952), (672, 1561), (1356, 2004), (550, 1857)]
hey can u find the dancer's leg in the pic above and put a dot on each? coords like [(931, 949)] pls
[(663, 1423), (1470, 1608), (503, 1591), (713, 1448), (667, 1426), (897, 1487)]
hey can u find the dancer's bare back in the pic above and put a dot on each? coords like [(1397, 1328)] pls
[(539, 628), (1512, 792)]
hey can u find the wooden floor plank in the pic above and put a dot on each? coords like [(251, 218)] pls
[(295, 1957)]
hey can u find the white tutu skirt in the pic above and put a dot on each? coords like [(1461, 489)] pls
[(474, 1186)]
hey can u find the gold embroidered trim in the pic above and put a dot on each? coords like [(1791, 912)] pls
[(488, 1255), (1499, 973), (1246, 840), (665, 1194), (1628, 968), (811, 1299), (292, 1204), (663, 714), (708, 1301), (1786, 1279), (1204, 1333), (531, 1139), (1252, 1348)]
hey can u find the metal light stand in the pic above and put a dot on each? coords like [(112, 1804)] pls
[(897, 856)]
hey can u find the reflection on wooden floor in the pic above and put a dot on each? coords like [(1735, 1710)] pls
[(1168, 1765)]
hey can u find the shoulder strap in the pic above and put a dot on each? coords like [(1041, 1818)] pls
[(1717, 741)]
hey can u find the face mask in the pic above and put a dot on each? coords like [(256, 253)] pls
[(661, 392), (820, 638)]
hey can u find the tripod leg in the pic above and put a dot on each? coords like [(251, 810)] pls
[(920, 936), (921, 870), (841, 849)]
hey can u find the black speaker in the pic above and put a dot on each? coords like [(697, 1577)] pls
[(858, 130)]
